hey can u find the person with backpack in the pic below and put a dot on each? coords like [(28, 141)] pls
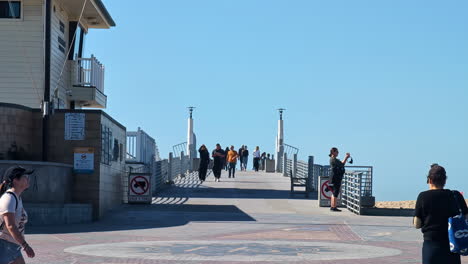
[(13, 216), (337, 170), (433, 209)]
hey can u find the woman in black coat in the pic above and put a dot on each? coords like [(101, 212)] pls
[(204, 162)]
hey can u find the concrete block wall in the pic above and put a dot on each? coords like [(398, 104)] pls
[(50, 183), (53, 214), (112, 174), (102, 188), (21, 126), (85, 187)]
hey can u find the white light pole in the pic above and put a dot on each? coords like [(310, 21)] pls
[(280, 142), (190, 136)]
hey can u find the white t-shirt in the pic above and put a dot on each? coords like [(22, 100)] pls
[(8, 205), (257, 154)]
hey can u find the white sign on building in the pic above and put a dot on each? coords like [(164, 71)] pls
[(75, 126), (83, 160)]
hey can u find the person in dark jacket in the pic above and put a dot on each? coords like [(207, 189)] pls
[(226, 162), (337, 170), (433, 208), (245, 158), (204, 162), (240, 157), (219, 157)]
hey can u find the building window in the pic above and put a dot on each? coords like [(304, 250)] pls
[(106, 145), (10, 9), (76, 37), (62, 27), (61, 44)]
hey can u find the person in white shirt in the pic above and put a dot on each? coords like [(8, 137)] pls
[(13, 217), (256, 158)]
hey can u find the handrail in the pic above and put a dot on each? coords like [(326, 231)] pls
[(179, 148), (89, 73)]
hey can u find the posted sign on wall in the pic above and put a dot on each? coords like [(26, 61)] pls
[(75, 126), (83, 160), (139, 188), (326, 193)]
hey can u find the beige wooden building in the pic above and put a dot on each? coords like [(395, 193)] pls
[(44, 79)]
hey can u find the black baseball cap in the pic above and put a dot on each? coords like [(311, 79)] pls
[(15, 172)]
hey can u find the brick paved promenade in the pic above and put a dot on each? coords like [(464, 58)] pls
[(249, 219)]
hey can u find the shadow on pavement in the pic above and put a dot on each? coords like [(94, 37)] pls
[(135, 217), (190, 187), (179, 192)]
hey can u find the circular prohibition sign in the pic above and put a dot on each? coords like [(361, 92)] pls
[(322, 189), (134, 184)]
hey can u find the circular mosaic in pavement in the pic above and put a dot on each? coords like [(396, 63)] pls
[(234, 250)]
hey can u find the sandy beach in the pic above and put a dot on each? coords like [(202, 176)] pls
[(399, 204)]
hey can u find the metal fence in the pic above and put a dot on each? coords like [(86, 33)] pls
[(357, 188), (163, 172), (301, 169), (179, 148), (290, 150), (140, 147)]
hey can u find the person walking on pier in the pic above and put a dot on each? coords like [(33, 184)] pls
[(219, 158), (262, 161), (241, 150), (226, 162), (256, 158), (245, 158), (337, 170), (433, 208), (204, 162), (13, 217), (232, 161)]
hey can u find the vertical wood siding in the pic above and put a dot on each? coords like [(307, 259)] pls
[(58, 57)]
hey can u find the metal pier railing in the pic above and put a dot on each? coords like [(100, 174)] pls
[(357, 188)]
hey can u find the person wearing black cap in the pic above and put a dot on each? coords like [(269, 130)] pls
[(337, 170), (13, 216)]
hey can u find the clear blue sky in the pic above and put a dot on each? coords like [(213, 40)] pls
[(384, 80)]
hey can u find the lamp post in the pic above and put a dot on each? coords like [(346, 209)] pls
[(280, 141), (190, 135)]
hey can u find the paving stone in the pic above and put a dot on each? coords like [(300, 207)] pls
[(250, 218)]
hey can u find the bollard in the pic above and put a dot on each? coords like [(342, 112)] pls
[(182, 167), (310, 174), (294, 166), (285, 165), (278, 162)]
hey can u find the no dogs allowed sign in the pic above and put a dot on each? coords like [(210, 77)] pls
[(139, 188)]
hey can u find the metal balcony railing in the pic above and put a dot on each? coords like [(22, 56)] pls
[(140, 147), (89, 72)]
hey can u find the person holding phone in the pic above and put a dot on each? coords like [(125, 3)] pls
[(337, 170)]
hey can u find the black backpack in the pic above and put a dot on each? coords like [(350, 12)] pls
[(16, 208)]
